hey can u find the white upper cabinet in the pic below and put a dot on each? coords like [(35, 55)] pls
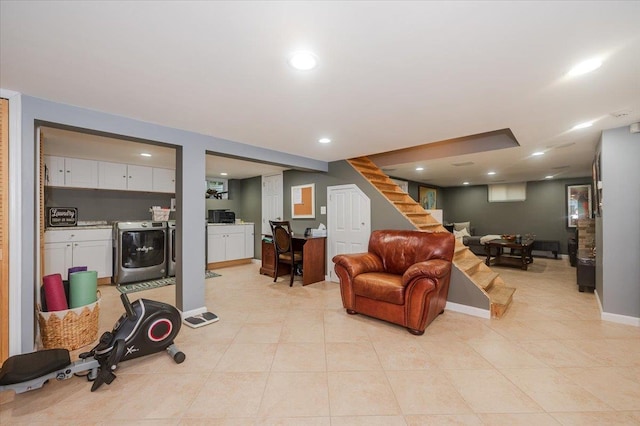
[(71, 172), (77, 173), (139, 178), (112, 175), (164, 180)]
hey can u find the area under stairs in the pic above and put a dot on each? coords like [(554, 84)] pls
[(499, 295)]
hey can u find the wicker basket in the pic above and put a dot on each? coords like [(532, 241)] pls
[(70, 329)]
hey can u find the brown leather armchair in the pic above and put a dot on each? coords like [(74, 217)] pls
[(403, 278)]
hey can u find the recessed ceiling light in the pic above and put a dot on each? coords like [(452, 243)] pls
[(549, 177), (582, 125), (491, 173), (419, 169), (538, 153), (324, 140), (465, 183), (145, 154), (585, 67), (303, 61), (223, 173)]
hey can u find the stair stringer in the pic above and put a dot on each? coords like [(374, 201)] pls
[(465, 261)]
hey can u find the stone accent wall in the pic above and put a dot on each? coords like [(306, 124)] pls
[(586, 233)]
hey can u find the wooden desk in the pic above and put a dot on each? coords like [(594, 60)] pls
[(313, 259)]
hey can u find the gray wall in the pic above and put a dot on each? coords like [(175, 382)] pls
[(543, 213), (98, 204), (619, 290), (384, 215)]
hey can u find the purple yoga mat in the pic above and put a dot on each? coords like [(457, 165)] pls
[(54, 293), (75, 269)]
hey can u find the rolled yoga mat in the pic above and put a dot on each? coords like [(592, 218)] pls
[(75, 269), (83, 288), (54, 293), (69, 272)]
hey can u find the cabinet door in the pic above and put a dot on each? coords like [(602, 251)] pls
[(234, 245), (215, 247), (164, 180), (81, 173), (248, 241), (54, 170), (112, 175), (95, 255), (58, 258), (139, 178)]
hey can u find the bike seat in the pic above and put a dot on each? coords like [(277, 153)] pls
[(20, 368)]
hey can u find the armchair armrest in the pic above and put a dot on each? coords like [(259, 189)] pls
[(359, 263), (434, 269)]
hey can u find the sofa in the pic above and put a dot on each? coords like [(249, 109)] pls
[(403, 278)]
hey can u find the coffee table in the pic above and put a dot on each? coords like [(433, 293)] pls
[(519, 253)]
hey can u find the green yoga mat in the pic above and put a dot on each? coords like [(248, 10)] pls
[(83, 288)]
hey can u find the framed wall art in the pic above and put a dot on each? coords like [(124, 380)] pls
[(303, 203), (579, 204), (428, 197)]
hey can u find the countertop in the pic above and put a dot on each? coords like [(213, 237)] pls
[(88, 224)]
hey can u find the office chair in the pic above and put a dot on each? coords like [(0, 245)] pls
[(283, 244)]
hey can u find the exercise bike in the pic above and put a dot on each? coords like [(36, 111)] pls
[(146, 327)]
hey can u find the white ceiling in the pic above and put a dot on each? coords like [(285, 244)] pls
[(391, 75)]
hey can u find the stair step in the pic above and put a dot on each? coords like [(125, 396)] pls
[(460, 248), (432, 227), (467, 263), (376, 176), (500, 298), (382, 186), (484, 278), (396, 195)]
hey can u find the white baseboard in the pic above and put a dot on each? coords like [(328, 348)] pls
[(617, 318), (193, 312), (469, 310)]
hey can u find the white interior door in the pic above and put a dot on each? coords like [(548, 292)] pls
[(272, 200), (348, 222)]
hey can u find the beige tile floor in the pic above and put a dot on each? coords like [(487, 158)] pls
[(292, 356)]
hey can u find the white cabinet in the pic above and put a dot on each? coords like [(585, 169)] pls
[(164, 180), (54, 170), (112, 175), (139, 178), (78, 173), (248, 240), (64, 248), (71, 172), (228, 242)]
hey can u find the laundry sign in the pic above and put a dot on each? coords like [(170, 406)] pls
[(62, 216)]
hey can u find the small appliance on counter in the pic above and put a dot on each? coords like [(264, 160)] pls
[(221, 216)]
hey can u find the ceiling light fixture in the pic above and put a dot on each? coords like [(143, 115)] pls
[(303, 61), (419, 169), (538, 153), (585, 67), (465, 183), (549, 177), (145, 154), (324, 140), (491, 173), (582, 125), (223, 173)]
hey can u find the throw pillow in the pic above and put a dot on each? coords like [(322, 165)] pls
[(459, 226), (460, 234)]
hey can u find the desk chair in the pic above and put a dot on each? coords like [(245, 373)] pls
[(283, 244)]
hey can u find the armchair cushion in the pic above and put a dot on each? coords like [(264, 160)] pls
[(403, 278)]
